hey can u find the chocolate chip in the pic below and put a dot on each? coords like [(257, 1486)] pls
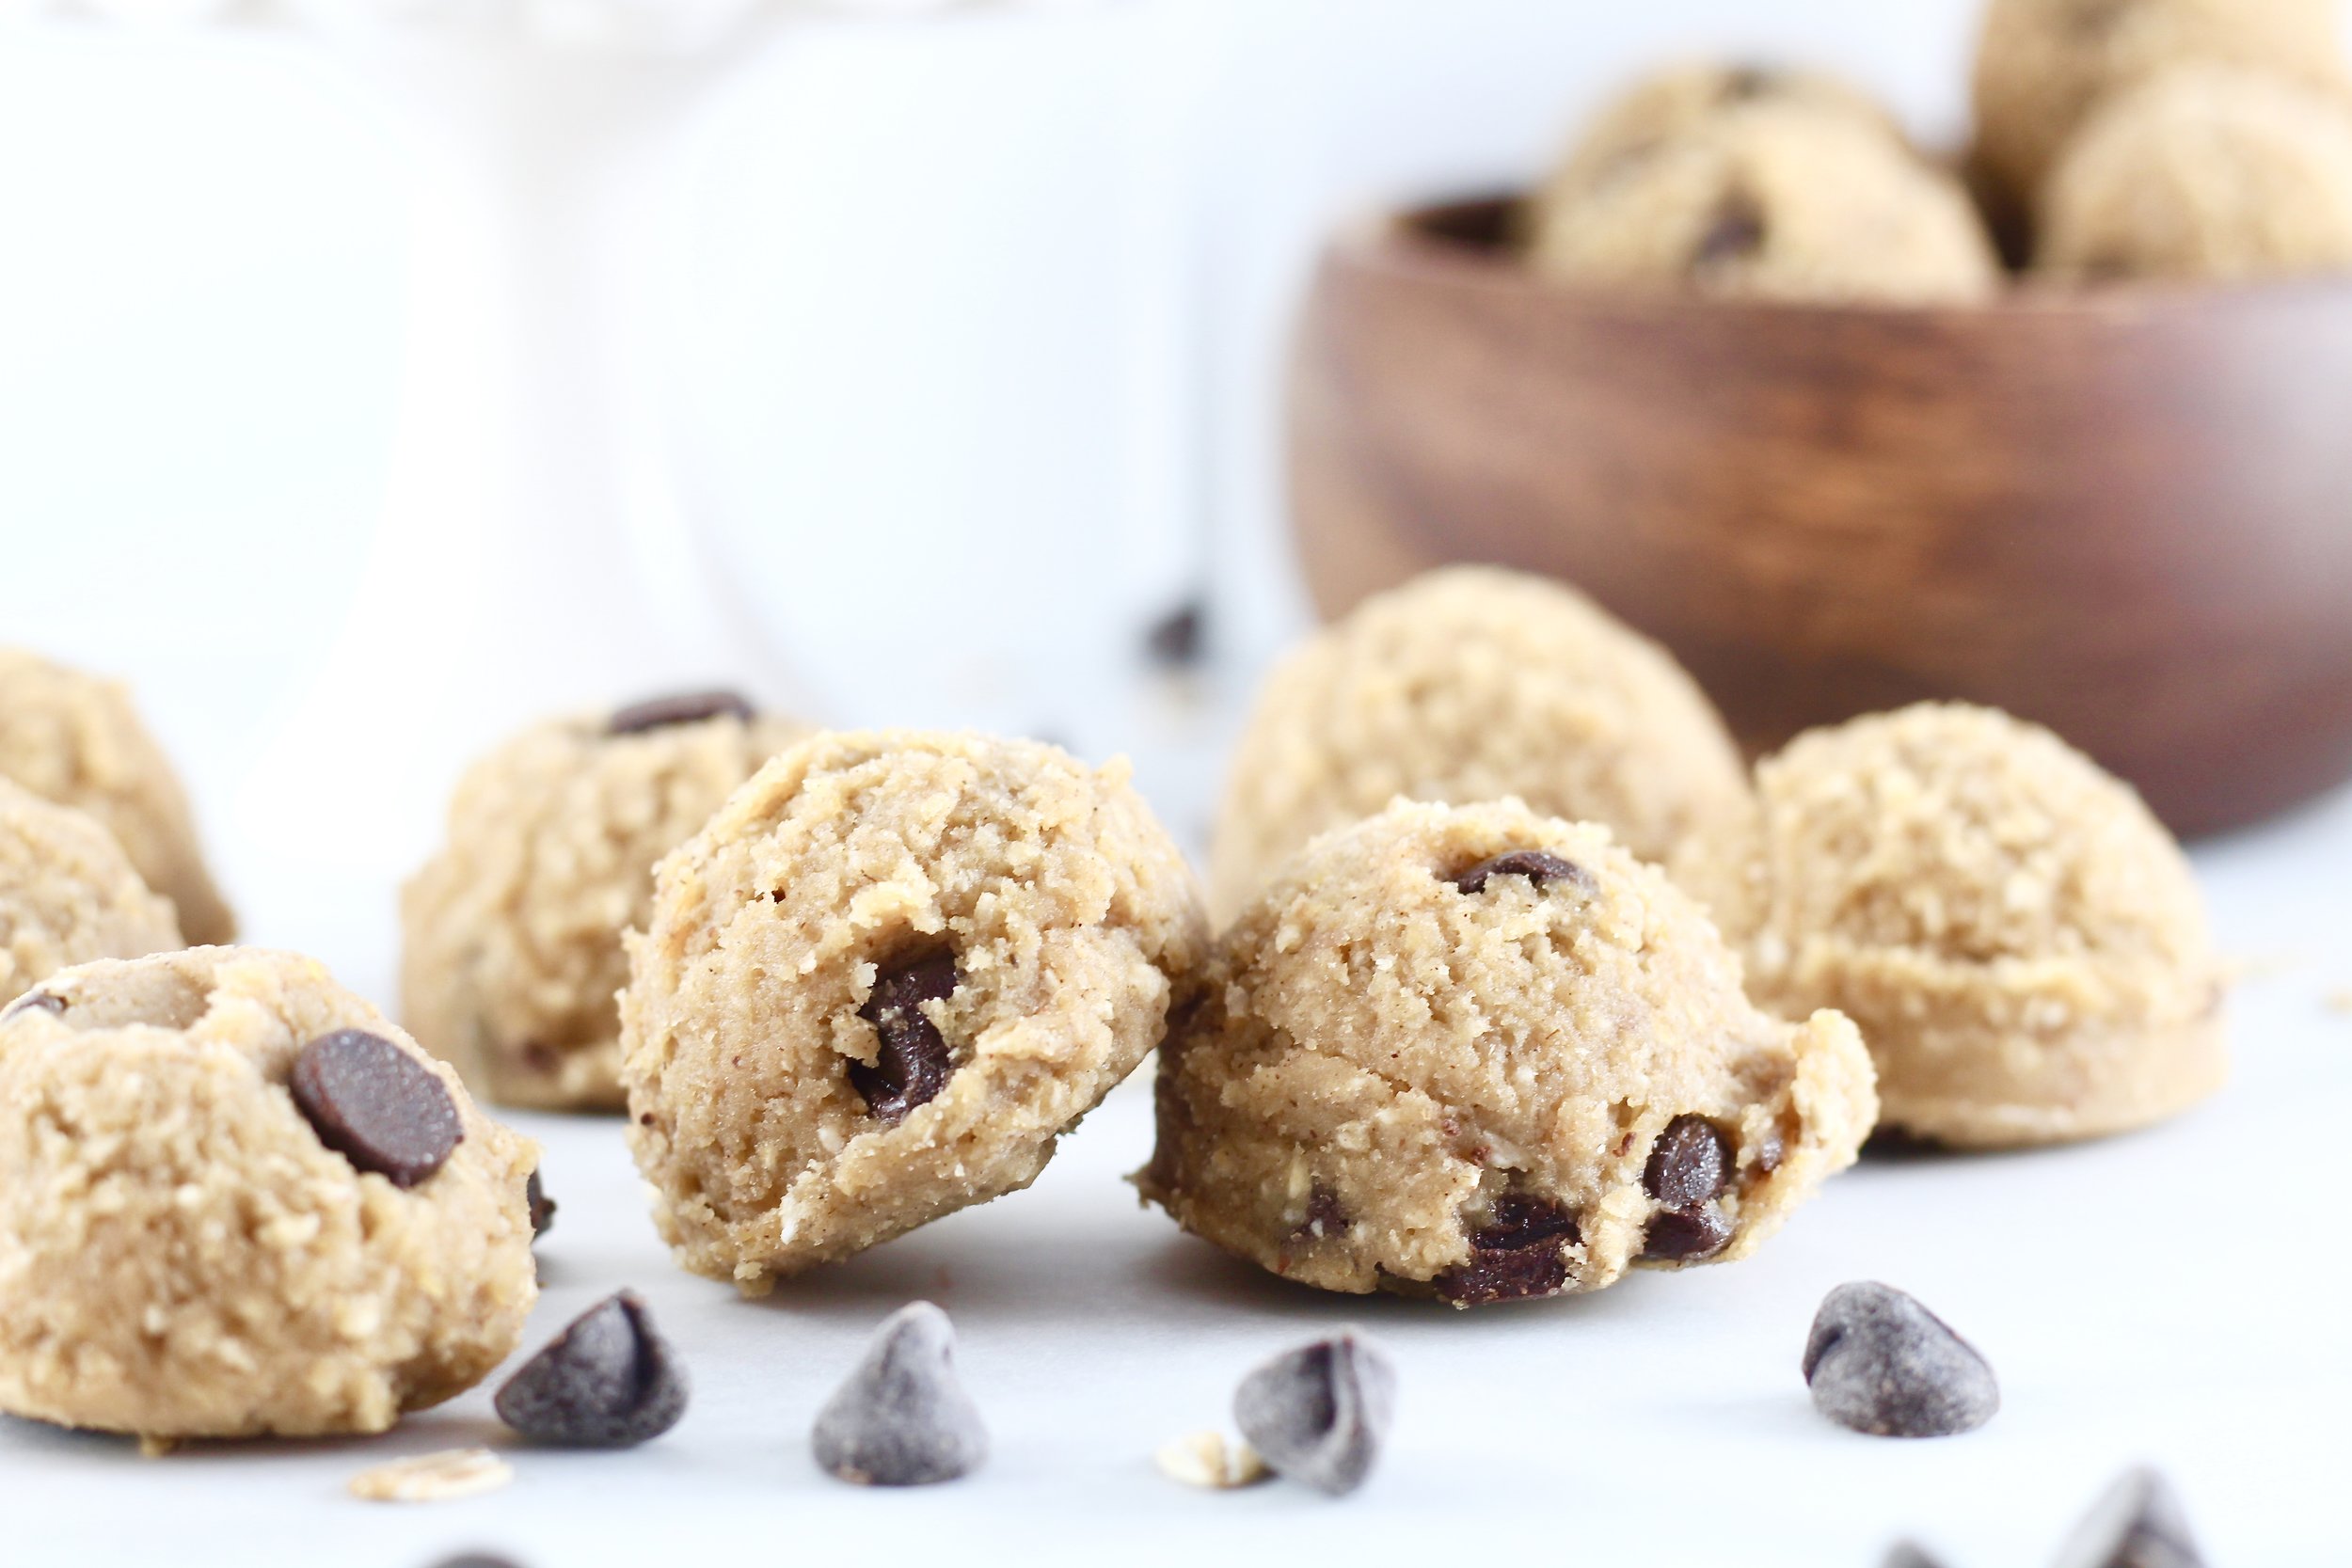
[(1736, 231), (1881, 1362), (1690, 1165), (1747, 83), (377, 1105), (1319, 1414), (683, 707), (542, 1206), (902, 1418), (1514, 1256), (609, 1381), (1178, 638), (2136, 1523), (41, 1001), (1327, 1216), (1686, 1235), (1908, 1553), (914, 1063), (477, 1560), (1535, 864)]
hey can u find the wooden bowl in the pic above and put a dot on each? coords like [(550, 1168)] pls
[(2127, 515)]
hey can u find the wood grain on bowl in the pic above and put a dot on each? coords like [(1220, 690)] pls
[(2126, 515)]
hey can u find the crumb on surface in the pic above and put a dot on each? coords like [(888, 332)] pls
[(433, 1477)]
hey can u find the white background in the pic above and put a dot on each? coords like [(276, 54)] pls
[(936, 307)]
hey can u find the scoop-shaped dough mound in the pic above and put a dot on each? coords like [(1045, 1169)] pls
[(1408, 1066), (182, 1255), (2022, 943), (2204, 173), (881, 983), (1469, 684), (75, 739), (67, 894), (511, 935)]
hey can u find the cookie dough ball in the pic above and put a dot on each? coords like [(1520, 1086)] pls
[(2204, 173), (511, 936), (1774, 201), (229, 1206), (1472, 684), (2021, 942), (2044, 65), (890, 972), (67, 894), (1481, 1053), (75, 739)]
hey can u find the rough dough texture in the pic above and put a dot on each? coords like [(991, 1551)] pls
[(181, 1257), (1471, 683), (2044, 65), (67, 894), (1774, 200), (2022, 943), (75, 739), (511, 936), (2204, 173), (849, 859), (1377, 1067)]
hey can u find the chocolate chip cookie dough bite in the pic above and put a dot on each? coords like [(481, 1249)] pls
[(2204, 173), (75, 739), (511, 935), (892, 970), (1467, 683), (235, 1200), (2022, 943), (67, 894), (1481, 1053)]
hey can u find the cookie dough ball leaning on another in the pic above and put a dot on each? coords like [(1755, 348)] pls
[(75, 739), (889, 974), (234, 1200), (2021, 941), (511, 936), (1774, 201), (2204, 173), (67, 894), (1473, 684), (1481, 1053)]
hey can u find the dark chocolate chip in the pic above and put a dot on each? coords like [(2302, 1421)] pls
[(2136, 1523), (47, 1001), (542, 1206), (902, 1418), (377, 1105), (1744, 84), (477, 1560), (1690, 1165), (609, 1381), (683, 707), (1881, 1362), (1319, 1414), (914, 1062), (1178, 638), (1908, 1553), (1686, 1235), (1736, 231), (1535, 864), (1514, 1256), (1327, 1216)]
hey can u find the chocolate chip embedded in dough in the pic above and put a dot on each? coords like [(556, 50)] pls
[(1735, 231), (1686, 1235), (542, 1206), (1538, 866), (914, 1061), (1690, 1165), (377, 1105), (1514, 1254), (682, 707)]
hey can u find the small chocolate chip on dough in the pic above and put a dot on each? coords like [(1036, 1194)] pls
[(1514, 1254), (542, 1206), (1537, 865), (1882, 1364), (2136, 1523), (684, 707), (1326, 1216), (1690, 1165), (902, 1418), (1687, 1235), (376, 1105), (609, 1381), (1735, 231), (1319, 1414), (914, 1061)]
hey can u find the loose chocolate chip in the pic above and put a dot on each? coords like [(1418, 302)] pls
[(902, 1418), (1319, 1414), (377, 1105), (1907, 1554), (1535, 864), (1514, 1256), (1327, 1216), (1690, 1165), (1881, 1362), (609, 1381), (542, 1206), (477, 1560), (31, 1000), (1686, 1235), (1178, 639), (2136, 1523), (913, 1064), (683, 707), (1736, 231)]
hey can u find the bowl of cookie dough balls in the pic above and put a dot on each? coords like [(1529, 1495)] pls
[(2053, 426)]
